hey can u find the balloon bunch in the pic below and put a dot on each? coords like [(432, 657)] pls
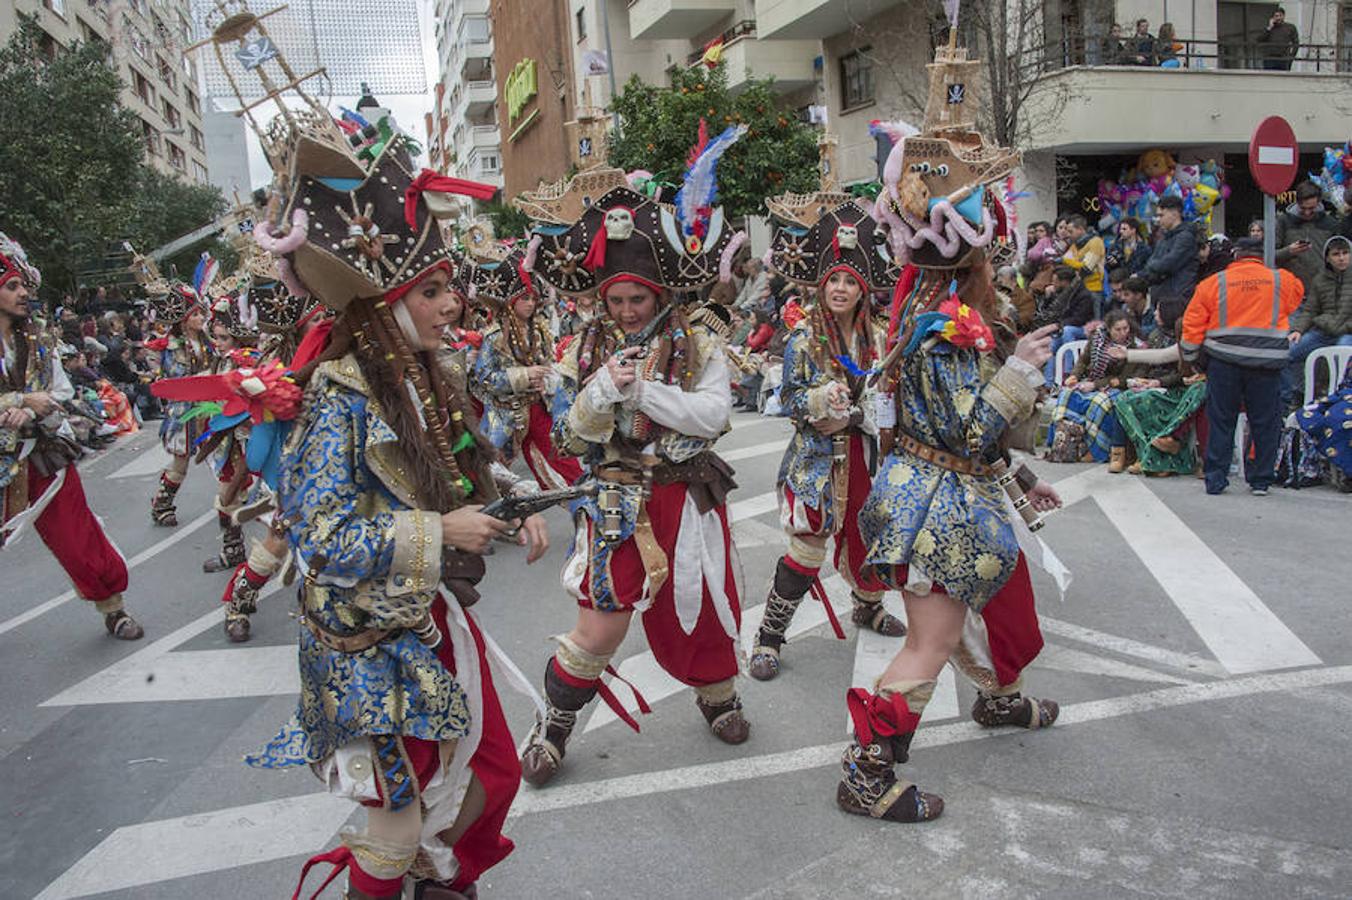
[(1336, 175), (1139, 189)]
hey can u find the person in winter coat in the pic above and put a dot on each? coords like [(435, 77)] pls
[(1280, 42), (1172, 269), (1213, 255), (1071, 305), (1323, 319), (1129, 253), (1301, 233)]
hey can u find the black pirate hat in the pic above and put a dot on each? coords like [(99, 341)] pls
[(175, 303), (366, 236), (845, 238), (624, 235), (500, 279)]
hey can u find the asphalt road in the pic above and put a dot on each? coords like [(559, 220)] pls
[(1201, 656)]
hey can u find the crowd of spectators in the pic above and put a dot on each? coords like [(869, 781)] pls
[(110, 367), (1143, 279), (1274, 48)]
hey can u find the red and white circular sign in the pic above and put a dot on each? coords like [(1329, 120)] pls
[(1274, 155)]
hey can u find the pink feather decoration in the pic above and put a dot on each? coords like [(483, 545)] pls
[(725, 259)]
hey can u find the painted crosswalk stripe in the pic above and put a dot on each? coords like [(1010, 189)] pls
[(1236, 626), (755, 450), (149, 462), (138, 855), (182, 532)]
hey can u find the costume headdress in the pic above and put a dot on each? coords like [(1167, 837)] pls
[(626, 235), (13, 260), (936, 200), (845, 238), (174, 302)]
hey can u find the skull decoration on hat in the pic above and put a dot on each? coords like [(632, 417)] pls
[(844, 238)]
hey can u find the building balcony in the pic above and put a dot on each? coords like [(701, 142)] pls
[(815, 19), (484, 137), (1088, 109), (658, 19), (478, 97), (476, 59), (745, 57)]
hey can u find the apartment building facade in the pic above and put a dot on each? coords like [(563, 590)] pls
[(161, 84), (463, 134)]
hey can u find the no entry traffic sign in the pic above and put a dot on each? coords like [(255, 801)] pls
[(1273, 155)]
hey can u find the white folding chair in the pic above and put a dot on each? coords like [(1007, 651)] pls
[(1336, 358), (1066, 356)]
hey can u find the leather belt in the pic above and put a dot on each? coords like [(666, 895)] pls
[(353, 643), (963, 465)]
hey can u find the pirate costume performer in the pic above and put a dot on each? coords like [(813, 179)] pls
[(824, 477), (642, 401), (939, 524), (184, 351), (397, 707), (234, 331), (39, 482), (513, 369), (283, 318)]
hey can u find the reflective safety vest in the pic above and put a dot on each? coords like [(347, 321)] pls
[(1240, 316)]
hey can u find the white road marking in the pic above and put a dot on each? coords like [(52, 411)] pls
[(149, 462), (755, 505), (156, 674), (655, 684), (1184, 662), (765, 449), (1066, 659), (153, 550), (1239, 630), (151, 852), (237, 836), (874, 652), (753, 533), (707, 774), (743, 421)]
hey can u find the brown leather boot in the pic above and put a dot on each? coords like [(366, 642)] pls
[(233, 553), (352, 893), (547, 744), (869, 786), (870, 614), (1014, 709), (1117, 460), (122, 626), (162, 509), (236, 625), (787, 591), (726, 720), (437, 890)]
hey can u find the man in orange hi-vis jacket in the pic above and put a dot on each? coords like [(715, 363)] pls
[(1237, 320)]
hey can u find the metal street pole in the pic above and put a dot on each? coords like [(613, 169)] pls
[(610, 64), (1269, 230)]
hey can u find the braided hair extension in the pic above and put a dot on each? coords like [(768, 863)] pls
[(433, 422), (828, 344), (670, 360), (527, 342), (25, 354)]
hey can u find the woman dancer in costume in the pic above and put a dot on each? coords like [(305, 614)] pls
[(39, 482), (824, 477), (183, 351), (643, 400), (938, 524), (380, 481), (513, 369)]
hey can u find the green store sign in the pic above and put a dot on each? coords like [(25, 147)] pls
[(521, 87)]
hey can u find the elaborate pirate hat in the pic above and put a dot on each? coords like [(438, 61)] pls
[(935, 203), (14, 261), (175, 303), (499, 280), (843, 239), (564, 201), (626, 235), (367, 236), (237, 313)]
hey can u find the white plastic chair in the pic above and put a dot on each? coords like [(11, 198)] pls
[(1336, 358), (1063, 366)]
